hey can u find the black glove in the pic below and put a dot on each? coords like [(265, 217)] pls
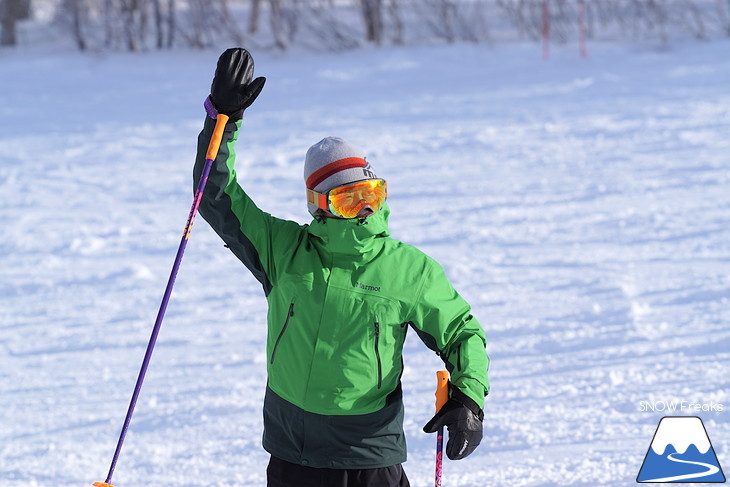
[(463, 418), (232, 90)]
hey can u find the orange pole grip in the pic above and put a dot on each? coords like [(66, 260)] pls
[(442, 389), (215, 140)]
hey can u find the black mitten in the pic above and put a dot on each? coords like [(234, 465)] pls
[(232, 90), (463, 422)]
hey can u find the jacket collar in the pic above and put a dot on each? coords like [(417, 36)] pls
[(352, 236)]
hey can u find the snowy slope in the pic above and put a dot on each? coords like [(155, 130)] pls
[(581, 206)]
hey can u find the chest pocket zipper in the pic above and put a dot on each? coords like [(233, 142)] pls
[(283, 329), (377, 354)]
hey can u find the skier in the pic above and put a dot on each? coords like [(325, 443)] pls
[(341, 295)]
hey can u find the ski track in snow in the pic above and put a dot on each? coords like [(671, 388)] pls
[(580, 206)]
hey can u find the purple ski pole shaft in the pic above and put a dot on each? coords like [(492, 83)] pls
[(442, 395), (210, 156), (439, 456)]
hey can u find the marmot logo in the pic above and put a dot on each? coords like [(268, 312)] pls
[(367, 171), (367, 288)]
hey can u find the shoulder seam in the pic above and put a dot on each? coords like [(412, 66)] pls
[(420, 291)]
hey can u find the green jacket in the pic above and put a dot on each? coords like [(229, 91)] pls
[(341, 296)]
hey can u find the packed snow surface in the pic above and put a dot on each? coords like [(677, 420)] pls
[(582, 206)]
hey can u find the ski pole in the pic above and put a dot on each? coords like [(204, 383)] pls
[(213, 146), (442, 395)]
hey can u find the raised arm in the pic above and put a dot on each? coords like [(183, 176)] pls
[(255, 237)]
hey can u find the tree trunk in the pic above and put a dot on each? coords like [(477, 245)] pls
[(131, 12), (76, 23), (253, 20), (699, 30), (159, 30), (170, 24), (277, 27), (397, 22), (24, 10), (107, 13), (448, 14), (722, 17), (8, 18), (373, 16)]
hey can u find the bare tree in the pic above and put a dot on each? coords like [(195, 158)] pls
[(345, 24), (457, 21), (397, 20), (372, 14), (227, 24), (446, 12), (697, 25), (292, 14), (198, 24), (159, 29), (135, 22), (171, 24), (253, 19), (327, 29), (660, 15), (72, 13), (24, 9), (723, 15), (162, 13), (10, 12), (277, 24), (526, 16), (281, 19)]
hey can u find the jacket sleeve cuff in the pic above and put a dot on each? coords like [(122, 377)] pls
[(467, 401), (210, 108)]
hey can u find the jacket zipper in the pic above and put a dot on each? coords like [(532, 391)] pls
[(281, 333), (377, 354)]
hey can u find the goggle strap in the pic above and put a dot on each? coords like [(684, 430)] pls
[(317, 199)]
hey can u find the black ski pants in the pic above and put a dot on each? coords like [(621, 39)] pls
[(280, 473)]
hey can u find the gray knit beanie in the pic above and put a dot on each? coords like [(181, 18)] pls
[(332, 162)]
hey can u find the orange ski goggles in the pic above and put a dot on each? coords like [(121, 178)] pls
[(347, 200)]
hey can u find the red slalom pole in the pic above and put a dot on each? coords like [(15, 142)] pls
[(442, 396), (213, 146)]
